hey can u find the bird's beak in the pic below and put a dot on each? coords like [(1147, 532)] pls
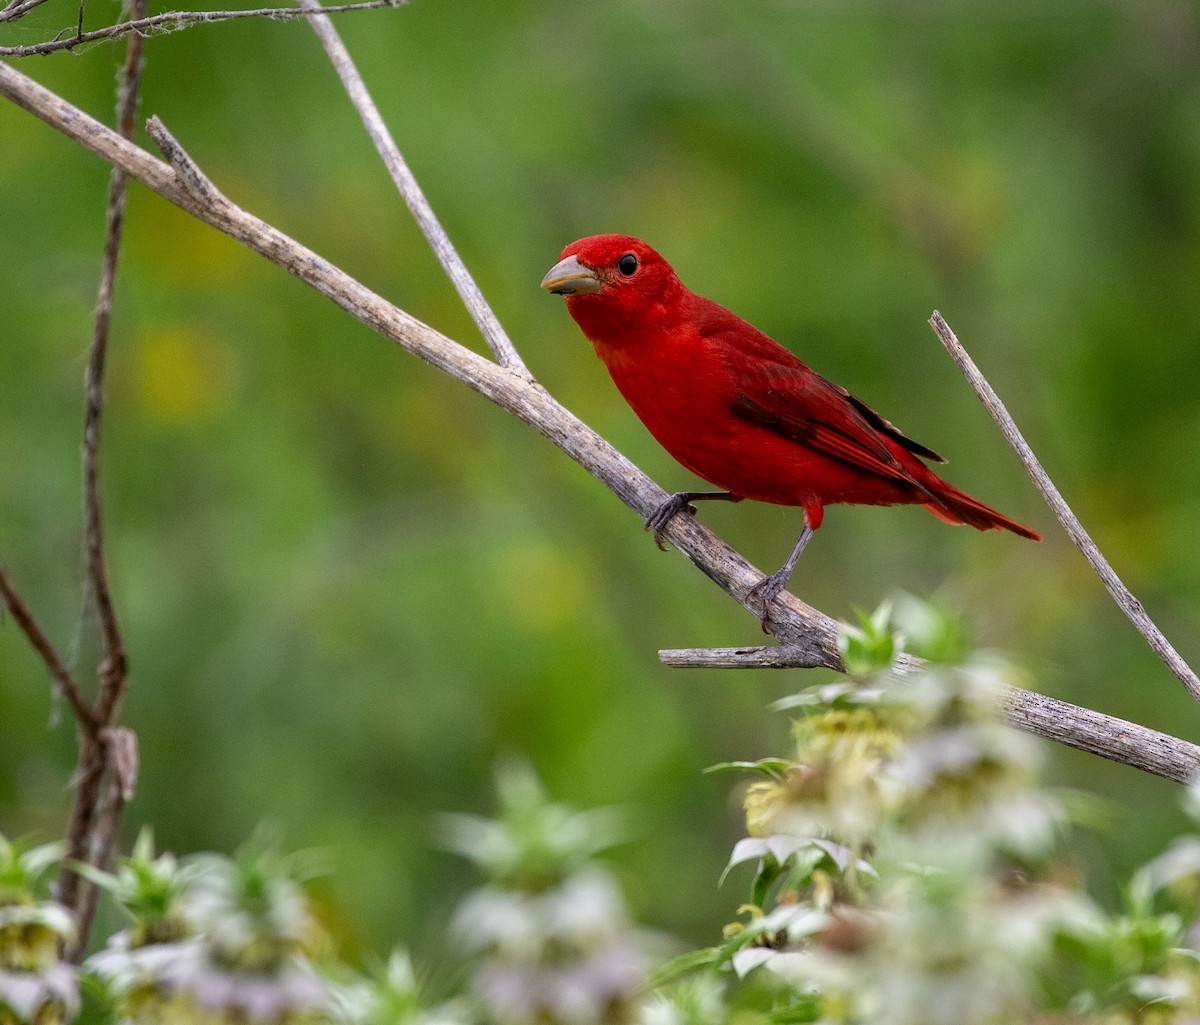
[(570, 277)]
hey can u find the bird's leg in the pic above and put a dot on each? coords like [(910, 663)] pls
[(766, 590), (679, 502)]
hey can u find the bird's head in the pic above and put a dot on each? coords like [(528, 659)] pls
[(613, 284)]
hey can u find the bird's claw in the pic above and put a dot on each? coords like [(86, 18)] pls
[(765, 592), (658, 520)]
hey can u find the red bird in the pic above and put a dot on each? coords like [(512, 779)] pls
[(737, 408)]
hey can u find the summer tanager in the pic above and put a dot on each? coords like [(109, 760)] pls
[(737, 408)]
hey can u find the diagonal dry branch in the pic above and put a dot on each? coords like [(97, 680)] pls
[(808, 635), (412, 194), (1116, 588), (1118, 740)]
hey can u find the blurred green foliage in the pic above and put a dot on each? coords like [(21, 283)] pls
[(347, 583)]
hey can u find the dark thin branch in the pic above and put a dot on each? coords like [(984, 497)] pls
[(410, 191), (174, 21), (120, 755), (63, 679), (113, 669), (1112, 583), (809, 635), (102, 787), (87, 781)]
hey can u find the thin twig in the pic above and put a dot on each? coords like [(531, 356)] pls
[(809, 633), (100, 793), (17, 9), (61, 675), (173, 21), (112, 675), (478, 307), (1083, 541)]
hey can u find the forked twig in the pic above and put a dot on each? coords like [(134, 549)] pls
[(414, 197), (1041, 480), (40, 643)]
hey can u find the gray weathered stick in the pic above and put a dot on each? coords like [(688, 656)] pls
[(759, 657), (1081, 728), (18, 9), (412, 194), (1104, 735), (1070, 522), (170, 21), (809, 634)]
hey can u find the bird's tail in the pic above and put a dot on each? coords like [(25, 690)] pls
[(955, 506)]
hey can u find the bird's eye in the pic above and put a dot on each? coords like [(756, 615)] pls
[(627, 264)]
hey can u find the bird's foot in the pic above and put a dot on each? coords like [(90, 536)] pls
[(657, 521), (765, 592), (767, 589)]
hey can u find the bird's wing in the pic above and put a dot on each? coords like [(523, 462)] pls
[(775, 387), (805, 408), (772, 387)]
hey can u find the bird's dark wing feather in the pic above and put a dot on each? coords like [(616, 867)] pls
[(890, 429)]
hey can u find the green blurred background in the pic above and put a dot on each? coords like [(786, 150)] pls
[(348, 584)]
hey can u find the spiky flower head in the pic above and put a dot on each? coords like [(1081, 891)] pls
[(533, 843), (35, 986), (550, 929), (389, 996), (244, 956)]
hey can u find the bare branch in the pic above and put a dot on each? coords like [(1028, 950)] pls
[(1112, 583), (120, 755), (482, 313), (18, 9), (1104, 735), (809, 635), (104, 780), (63, 679), (112, 674), (198, 184), (88, 783), (737, 658), (174, 21), (1080, 728)]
